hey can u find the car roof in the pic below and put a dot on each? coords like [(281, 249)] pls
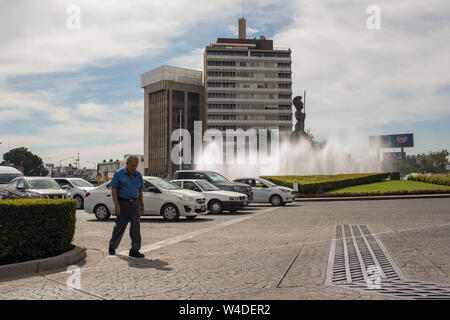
[(8, 169), (195, 180)]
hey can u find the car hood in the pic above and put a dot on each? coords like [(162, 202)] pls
[(47, 191), (188, 193), (287, 189), (225, 193)]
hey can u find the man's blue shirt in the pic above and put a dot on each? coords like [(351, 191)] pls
[(127, 187)]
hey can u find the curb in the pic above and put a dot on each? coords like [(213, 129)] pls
[(37, 266), (414, 196)]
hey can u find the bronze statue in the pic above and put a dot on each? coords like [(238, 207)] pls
[(299, 130)]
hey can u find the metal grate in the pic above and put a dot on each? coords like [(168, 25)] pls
[(358, 260)]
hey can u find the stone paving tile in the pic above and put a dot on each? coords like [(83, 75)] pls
[(282, 254)]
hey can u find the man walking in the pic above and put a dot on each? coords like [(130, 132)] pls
[(127, 186)]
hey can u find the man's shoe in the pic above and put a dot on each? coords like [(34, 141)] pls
[(111, 251), (136, 254)]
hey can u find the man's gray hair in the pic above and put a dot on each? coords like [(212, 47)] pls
[(132, 158)]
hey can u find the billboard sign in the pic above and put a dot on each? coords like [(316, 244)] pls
[(392, 141)]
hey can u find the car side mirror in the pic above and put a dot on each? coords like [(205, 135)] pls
[(264, 186), (67, 187), (20, 188)]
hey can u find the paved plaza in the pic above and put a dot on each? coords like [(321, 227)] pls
[(261, 252)]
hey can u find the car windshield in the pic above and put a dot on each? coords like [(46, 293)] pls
[(163, 184), (43, 184), (6, 178), (81, 183), (207, 186), (216, 177), (267, 182)]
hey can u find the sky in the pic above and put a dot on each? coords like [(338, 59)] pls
[(66, 91)]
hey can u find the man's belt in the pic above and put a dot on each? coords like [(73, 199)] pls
[(130, 200)]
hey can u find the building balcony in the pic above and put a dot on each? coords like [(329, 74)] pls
[(247, 58), (255, 90), (248, 111), (248, 79), (241, 100), (250, 122), (237, 68)]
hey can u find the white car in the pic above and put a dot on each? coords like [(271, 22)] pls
[(7, 174), (217, 200), (265, 191), (77, 187), (160, 198)]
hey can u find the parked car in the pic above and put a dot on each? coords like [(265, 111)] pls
[(78, 188), (216, 179), (35, 188), (267, 192), (217, 200), (7, 174), (160, 198)]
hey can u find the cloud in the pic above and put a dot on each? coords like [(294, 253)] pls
[(36, 39), (359, 78), (191, 60), (233, 28)]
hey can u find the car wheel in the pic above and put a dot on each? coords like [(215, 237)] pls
[(102, 212), (215, 207), (80, 202), (170, 212), (276, 200), (191, 217)]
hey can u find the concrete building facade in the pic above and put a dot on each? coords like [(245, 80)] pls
[(248, 84), (172, 95)]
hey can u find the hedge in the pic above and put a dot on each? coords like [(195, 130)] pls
[(321, 183), (35, 229), (440, 179)]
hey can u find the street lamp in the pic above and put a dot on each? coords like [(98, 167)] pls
[(59, 168)]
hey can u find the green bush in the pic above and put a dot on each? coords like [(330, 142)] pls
[(440, 179), (35, 229), (321, 183)]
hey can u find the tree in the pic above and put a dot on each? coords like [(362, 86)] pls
[(433, 162), (31, 163)]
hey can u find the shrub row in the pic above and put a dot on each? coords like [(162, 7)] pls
[(319, 183), (387, 193), (35, 229), (440, 179)]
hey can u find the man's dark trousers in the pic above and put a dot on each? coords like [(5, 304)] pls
[(129, 211)]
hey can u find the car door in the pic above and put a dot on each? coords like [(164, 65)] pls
[(11, 190), (20, 189), (152, 201), (261, 191)]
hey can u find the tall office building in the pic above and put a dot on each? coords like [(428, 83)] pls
[(173, 98), (248, 84)]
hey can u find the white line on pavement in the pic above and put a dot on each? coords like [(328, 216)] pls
[(190, 235)]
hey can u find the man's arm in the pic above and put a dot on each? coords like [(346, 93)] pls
[(141, 200), (116, 201)]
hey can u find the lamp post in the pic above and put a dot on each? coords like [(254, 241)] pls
[(59, 168)]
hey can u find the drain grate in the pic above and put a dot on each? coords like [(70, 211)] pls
[(358, 260)]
